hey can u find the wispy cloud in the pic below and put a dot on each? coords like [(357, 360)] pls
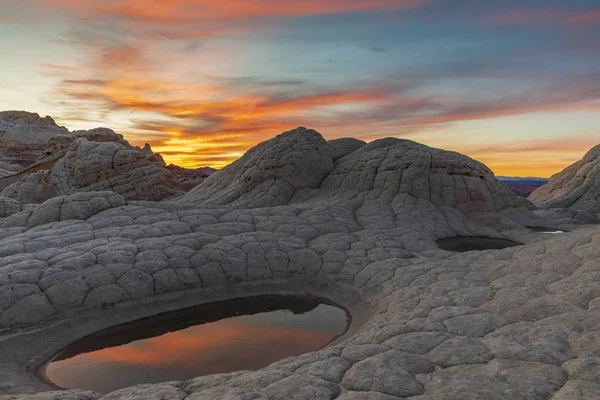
[(203, 80), (186, 10), (543, 18)]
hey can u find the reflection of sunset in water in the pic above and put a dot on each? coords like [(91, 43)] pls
[(238, 343)]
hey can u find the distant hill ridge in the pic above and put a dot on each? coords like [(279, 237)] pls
[(523, 186), (519, 178)]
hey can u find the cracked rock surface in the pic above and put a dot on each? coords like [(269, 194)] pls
[(360, 229), (577, 187), (97, 160)]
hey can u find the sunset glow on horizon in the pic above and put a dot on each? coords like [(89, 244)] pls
[(513, 84)]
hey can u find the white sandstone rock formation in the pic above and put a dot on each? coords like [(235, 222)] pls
[(29, 128), (344, 146), (444, 178), (8, 207), (519, 323), (7, 168), (577, 187), (23, 136), (269, 173), (97, 160), (41, 160), (101, 160), (31, 188)]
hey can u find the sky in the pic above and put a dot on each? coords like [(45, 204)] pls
[(512, 83)]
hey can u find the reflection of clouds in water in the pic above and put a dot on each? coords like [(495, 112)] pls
[(238, 343)]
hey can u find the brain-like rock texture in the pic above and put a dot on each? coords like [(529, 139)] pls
[(577, 187), (8, 207), (428, 324), (444, 178), (269, 173), (77, 206), (101, 160), (300, 162), (344, 146), (98, 160)]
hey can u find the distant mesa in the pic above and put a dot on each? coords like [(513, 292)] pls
[(523, 186), (189, 178), (577, 187)]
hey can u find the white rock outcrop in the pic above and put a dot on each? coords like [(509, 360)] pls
[(97, 160), (23, 136), (518, 323), (344, 146), (8, 169), (269, 173), (100, 160), (577, 187), (29, 128), (445, 178), (8, 207)]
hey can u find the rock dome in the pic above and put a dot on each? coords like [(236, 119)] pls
[(577, 187)]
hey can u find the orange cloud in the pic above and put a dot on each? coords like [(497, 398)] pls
[(191, 101), (207, 124), (187, 10), (541, 158)]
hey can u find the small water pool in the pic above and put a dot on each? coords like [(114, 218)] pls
[(239, 334), (551, 231), (470, 243)]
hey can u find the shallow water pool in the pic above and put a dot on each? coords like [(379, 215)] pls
[(240, 334)]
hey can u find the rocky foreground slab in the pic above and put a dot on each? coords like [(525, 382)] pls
[(355, 223)]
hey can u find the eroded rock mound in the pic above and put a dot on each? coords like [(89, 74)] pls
[(41, 160), (102, 160), (577, 187), (77, 206), (344, 146), (269, 173), (8, 207), (23, 136), (31, 188), (445, 178), (95, 160)]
